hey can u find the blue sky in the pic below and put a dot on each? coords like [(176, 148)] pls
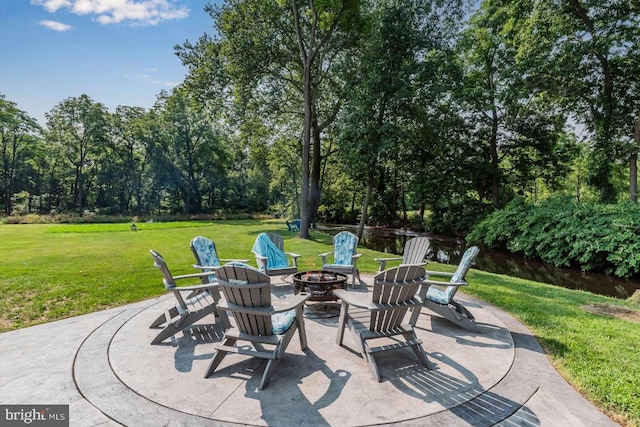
[(119, 52)]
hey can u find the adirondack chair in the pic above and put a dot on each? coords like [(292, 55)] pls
[(200, 301), (439, 297), (267, 328), (345, 256), (414, 253), (381, 318), (204, 250), (271, 257)]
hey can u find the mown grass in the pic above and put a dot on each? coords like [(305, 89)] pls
[(54, 271)]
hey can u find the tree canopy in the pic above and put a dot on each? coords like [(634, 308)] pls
[(424, 113)]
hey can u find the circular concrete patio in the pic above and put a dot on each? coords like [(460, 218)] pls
[(499, 375)]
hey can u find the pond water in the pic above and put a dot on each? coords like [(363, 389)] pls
[(448, 250)]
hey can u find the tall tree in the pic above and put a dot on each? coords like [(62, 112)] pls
[(516, 129), (584, 53), (126, 147), (279, 57), (78, 128), (188, 151), (18, 138)]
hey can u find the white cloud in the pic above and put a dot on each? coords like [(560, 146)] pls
[(52, 5), (136, 12), (55, 25)]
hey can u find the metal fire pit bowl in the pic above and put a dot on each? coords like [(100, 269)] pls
[(320, 284)]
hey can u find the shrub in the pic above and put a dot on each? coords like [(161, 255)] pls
[(593, 237)]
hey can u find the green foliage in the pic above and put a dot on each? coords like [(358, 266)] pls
[(593, 237)]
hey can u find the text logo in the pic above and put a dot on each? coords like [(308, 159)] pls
[(34, 415)]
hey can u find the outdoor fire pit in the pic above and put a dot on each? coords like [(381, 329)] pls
[(320, 284)]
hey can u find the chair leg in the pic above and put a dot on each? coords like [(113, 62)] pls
[(302, 333), (268, 372), (218, 356), (167, 332), (165, 317), (373, 367), (224, 319), (418, 350), (284, 341), (342, 322)]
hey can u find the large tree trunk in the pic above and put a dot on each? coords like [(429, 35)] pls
[(306, 145), (316, 164), (365, 209), (306, 59), (495, 172)]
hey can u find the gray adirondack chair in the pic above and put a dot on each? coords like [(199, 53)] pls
[(204, 250), (440, 295), (345, 256), (381, 318), (199, 301), (267, 328), (271, 257), (414, 253)]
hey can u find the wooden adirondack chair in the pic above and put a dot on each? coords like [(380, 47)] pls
[(439, 297), (271, 257), (414, 253), (345, 256), (381, 318), (267, 328), (200, 301), (204, 250)]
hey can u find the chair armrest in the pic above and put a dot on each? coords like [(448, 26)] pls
[(291, 301), (439, 283), (383, 262), (350, 298), (387, 259), (324, 256), (261, 258), (355, 259), (206, 267), (204, 287), (192, 276), (233, 260), (295, 257), (438, 273)]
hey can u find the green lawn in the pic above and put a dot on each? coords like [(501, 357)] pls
[(54, 271)]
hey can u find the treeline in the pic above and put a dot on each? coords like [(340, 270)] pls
[(344, 109)]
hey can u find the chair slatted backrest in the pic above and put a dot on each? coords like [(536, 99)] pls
[(468, 258), (167, 278), (205, 251), (247, 287), (415, 250), (277, 240), (393, 290), (345, 245)]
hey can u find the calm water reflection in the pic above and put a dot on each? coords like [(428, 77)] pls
[(449, 251)]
